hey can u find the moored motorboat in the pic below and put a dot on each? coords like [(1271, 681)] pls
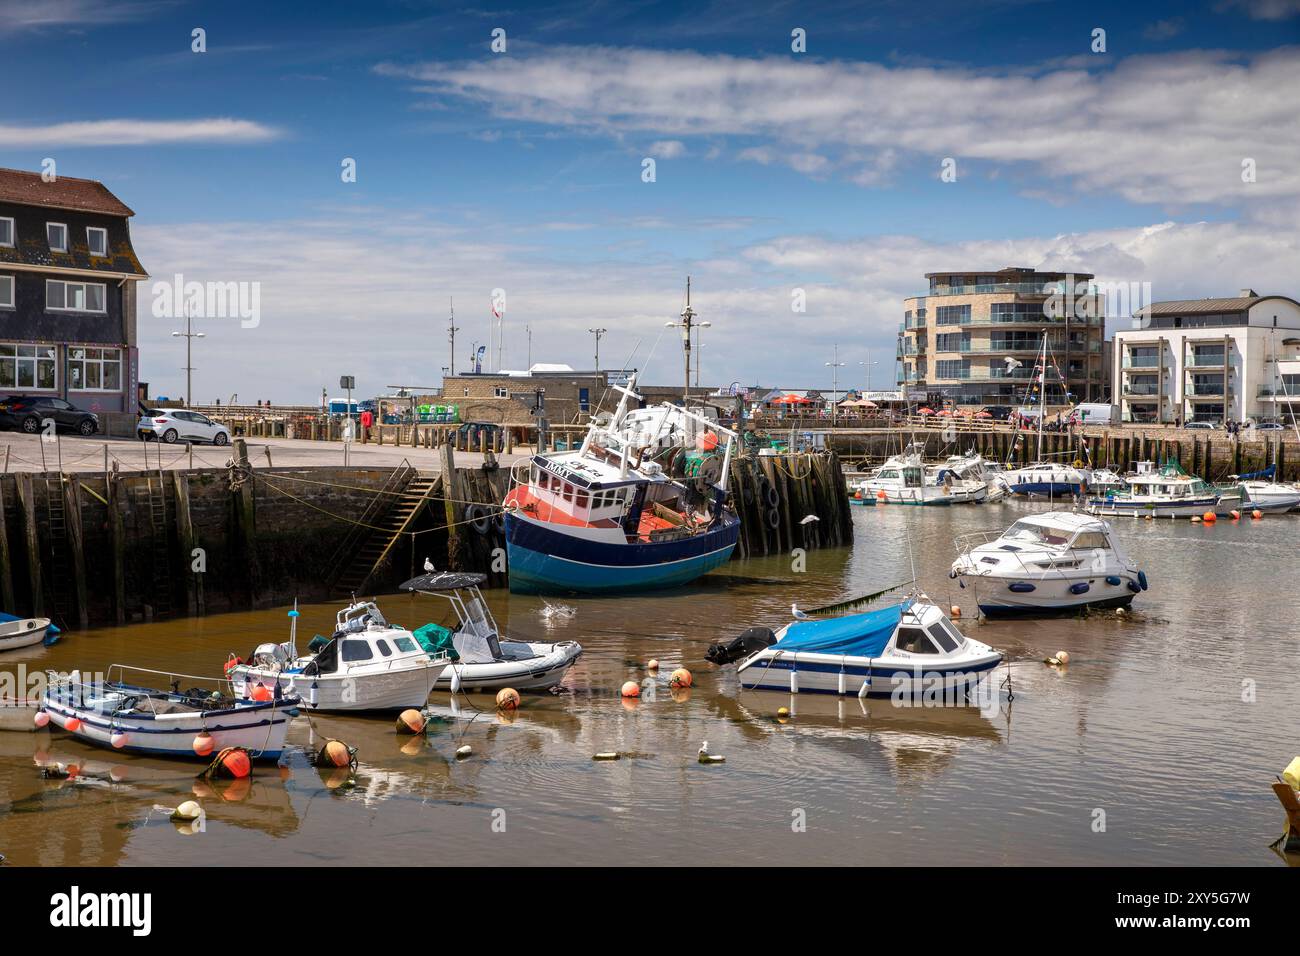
[(1274, 497), (367, 664), (1047, 479), (125, 716), (1167, 493), (903, 651), (482, 660), (1050, 562), (901, 480)]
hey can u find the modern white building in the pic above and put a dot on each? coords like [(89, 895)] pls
[(1215, 360)]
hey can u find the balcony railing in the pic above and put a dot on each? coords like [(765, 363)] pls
[(1021, 288), (1205, 361), (1141, 361), (1141, 389)]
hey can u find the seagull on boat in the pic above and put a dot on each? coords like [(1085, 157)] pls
[(798, 614), (428, 565)]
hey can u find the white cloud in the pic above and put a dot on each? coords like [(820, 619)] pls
[(131, 132), (1265, 9), (364, 291), (1171, 128), (668, 149), (18, 16)]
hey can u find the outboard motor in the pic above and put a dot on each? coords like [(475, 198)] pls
[(751, 641)]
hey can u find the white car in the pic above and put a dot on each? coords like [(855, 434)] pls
[(178, 424)]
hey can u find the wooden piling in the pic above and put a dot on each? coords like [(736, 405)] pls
[(185, 530), (76, 542), (27, 502), (117, 538), (6, 575)]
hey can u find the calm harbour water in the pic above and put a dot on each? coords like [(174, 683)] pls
[(1146, 724)]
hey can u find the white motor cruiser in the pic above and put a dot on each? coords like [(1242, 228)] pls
[(482, 661), (904, 651), (901, 480), (366, 665), (1055, 561), (1167, 493)]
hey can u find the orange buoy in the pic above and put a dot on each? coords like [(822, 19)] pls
[(73, 725), (631, 689), (410, 722), (118, 739), (1234, 514), (681, 678), (335, 753), (858, 494), (507, 699), (652, 665), (233, 762), (260, 693), (1209, 517), (1257, 514), (955, 612), (880, 495), (42, 719), (232, 664), (204, 743)]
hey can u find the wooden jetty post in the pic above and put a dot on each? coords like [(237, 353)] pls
[(117, 538), (185, 529), (77, 542), (6, 576), (27, 502)]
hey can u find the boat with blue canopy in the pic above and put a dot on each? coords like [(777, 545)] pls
[(911, 649)]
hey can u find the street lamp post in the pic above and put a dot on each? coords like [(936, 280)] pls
[(686, 325), (189, 335), (835, 382), (598, 333)]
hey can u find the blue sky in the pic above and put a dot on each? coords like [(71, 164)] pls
[(774, 170)]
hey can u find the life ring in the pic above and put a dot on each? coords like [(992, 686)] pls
[(479, 519), (773, 518)]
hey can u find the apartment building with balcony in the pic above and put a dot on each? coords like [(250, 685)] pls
[(956, 338), (1215, 360)]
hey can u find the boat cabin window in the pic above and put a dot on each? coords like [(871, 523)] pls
[(356, 650), (1090, 540), (404, 644), (912, 477), (891, 473), (942, 636), (914, 641), (1025, 531), (383, 647)]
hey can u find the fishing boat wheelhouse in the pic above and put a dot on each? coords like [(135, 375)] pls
[(606, 517)]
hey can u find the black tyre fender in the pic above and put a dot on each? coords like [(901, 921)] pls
[(479, 518), (773, 499), (773, 518)]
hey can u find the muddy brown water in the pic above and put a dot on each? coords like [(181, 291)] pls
[(1171, 723)]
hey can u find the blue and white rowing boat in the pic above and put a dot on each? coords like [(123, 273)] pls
[(905, 651), (121, 716)]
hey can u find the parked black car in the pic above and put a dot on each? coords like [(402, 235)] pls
[(999, 413), (28, 413)]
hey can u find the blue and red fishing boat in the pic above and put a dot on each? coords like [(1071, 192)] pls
[(606, 517)]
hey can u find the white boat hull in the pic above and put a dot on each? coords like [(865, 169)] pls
[(533, 673), (258, 728), (398, 689), (798, 673), (18, 715), (23, 633), (994, 595)]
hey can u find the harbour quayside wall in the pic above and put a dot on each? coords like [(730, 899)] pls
[(91, 548)]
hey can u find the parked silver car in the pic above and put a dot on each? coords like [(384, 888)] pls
[(180, 424)]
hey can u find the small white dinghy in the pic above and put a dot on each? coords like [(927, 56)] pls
[(115, 714), (367, 665), (484, 661), (18, 713), (23, 632), (906, 651)]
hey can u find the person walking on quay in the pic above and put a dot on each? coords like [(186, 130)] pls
[(367, 419)]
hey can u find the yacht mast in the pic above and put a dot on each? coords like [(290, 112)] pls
[(1042, 394)]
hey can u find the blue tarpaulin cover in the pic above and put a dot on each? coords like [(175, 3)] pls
[(861, 635)]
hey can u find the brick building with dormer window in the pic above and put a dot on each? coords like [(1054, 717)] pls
[(68, 279)]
